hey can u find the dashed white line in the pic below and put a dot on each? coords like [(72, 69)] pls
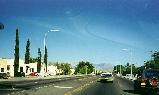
[(63, 87)]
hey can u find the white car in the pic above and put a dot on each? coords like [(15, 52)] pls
[(42, 74), (106, 77)]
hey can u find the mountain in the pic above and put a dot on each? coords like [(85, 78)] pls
[(106, 67)]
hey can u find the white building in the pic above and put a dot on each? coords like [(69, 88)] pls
[(7, 66), (52, 70)]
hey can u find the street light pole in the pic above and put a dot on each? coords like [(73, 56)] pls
[(131, 63), (130, 59), (52, 30), (86, 69), (120, 70)]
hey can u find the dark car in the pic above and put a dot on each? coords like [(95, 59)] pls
[(4, 75), (147, 80), (20, 74)]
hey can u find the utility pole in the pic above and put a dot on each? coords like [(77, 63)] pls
[(120, 70), (131, 64), (131, 59), (86, 69)]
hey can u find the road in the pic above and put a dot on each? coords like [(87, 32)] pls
[(120, 86), (75, 86), (58, 86)]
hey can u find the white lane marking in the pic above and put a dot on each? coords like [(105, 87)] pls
[(35, 82), (63, 87)]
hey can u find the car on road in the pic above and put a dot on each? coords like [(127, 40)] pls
[(148, 79), (108, 77)]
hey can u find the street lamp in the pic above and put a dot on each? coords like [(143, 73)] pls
[(130, 58), (52, 30)]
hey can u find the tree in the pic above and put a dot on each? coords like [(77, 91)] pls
[(117, 68), (27, 53), (39, 61), (16, 60), (154, 62), (33, 60), (65, 67), (126, 69), (84, 67), (1, 26), (45, 57)]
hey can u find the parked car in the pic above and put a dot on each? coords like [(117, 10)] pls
[(4, 75), (43, 74), (34, 74), (106, 77), (148, 79), (20, 74)]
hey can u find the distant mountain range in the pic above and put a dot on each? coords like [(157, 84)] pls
[(106, 67)]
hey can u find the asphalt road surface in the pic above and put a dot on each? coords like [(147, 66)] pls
[(59, 86), (120, 86), (75, 86)]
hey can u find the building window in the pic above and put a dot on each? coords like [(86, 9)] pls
[(21, 69), (8, 67), (2, 69), (27, 68)]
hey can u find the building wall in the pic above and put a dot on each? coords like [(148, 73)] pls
[(4, 63), (3, 66), (10, 63), (52, 70), (32, 68)]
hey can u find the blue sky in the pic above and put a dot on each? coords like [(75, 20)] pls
[(92, 30)]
